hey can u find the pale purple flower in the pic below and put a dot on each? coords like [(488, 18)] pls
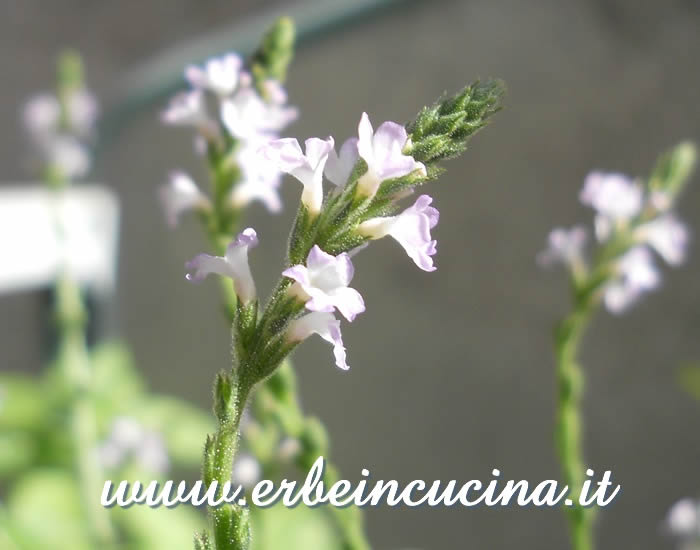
[(307, 167), (130, 440), (275, 92), (41, 115), (382, 151), (69, 156), (260, 179), (564, 246), (411, 229), (339, 165), (323, 284), (246, 115), (683, 520), (83, 109), (246, 470), (636, 274), (615, 197), (326, 326), (220, 75), (667, 235), (179, 195), (189, 109), (233, 264)]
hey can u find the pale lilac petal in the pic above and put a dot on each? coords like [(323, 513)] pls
[(683, 519), (636, 276), (83, 109), (246, 470), (339, 166), (382, 152), (668, 236), (204, 265), (365, 133), (260, 179), (411, 229), (565, 246), (41, 115), (186, 108), (179, 195), (323, 284), (326, 326), (286, 154), (298, 273), (69, 156), (219, 75), (234, 264), (613, 195)]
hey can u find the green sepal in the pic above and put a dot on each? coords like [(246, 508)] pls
[(202, 542), (231, 526), (225, 394)]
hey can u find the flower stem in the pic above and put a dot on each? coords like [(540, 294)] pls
[(569, 421), (74, 361)]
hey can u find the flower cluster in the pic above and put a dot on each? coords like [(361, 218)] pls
[(60, 127), (129, 440), (247, 118), (318, 287), (630, 223)]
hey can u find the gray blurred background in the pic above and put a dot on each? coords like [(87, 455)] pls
[(452, 373)]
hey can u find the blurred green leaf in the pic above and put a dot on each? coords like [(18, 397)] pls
[(44, 508), (689, 377), (159, 528), (116, 382), (17, 452), (22, 402), (297, 528)]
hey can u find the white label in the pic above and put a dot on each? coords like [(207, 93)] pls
[(45, 233)]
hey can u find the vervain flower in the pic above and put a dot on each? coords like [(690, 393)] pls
[(246, 470), (68, 155), (326, 326), (220, 75), (179, 195), (381, 150), (636, 274), (128, 439), (411, 229), (59, 136), (233, 264), (615, 197), (307, 168), (260, 179), (245, 115), (683, 520), (339, 165), (189, 109), (565, 246), (323, 284), (667, 235)]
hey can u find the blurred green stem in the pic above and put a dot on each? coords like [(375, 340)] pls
[(569, 422), (74, 361)]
